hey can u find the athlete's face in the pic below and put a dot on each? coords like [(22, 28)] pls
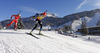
[(19, 15), (44, 15)]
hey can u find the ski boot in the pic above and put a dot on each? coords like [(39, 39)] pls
[(40, 34), (4, 27), (15, 29), (30, 33)]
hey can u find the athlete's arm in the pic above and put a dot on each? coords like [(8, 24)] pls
[(12, 16)]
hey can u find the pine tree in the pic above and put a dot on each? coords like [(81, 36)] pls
[(85, 23), (84, 29), (82, 25)]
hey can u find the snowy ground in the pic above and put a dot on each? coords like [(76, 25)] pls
[(92, 38), (18, 42)]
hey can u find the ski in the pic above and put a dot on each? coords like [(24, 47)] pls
[(32, 35), (42, 35)]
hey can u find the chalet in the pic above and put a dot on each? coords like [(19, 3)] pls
[(94, 30)]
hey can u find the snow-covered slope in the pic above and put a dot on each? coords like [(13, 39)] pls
[(69, 23), (19, 42), (50, 15), (76, 24), (91, 21)]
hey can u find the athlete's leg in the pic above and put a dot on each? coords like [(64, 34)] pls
[(36, 23), (40, 23), (10, 23), (16, 21)]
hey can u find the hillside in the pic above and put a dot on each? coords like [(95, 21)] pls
[(75, 20), (91, 21)]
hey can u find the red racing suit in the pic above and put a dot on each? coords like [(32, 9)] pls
[(14, 20)]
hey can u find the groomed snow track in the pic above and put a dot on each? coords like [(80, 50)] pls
[(19, 42)]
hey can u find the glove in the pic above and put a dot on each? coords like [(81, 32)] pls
[(33, 16)]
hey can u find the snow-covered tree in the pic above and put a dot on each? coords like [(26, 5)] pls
[(84, 24), (84, 29)]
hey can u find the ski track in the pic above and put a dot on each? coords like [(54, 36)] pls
[(18, 42)]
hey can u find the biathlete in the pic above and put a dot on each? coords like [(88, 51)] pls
[(14, 20), (38, 17)]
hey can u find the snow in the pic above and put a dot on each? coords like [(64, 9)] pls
[(94, 20), (87, 19), (46, 27), (76, 24), (68, 24), (19, 42), (93, 38), (91, 22), (50, 15)]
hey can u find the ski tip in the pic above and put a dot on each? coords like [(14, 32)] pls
[(32, 35), (38, 38)]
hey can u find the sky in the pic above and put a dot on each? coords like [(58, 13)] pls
[(60, 8)]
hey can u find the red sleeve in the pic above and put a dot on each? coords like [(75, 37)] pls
[(12, 16)]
